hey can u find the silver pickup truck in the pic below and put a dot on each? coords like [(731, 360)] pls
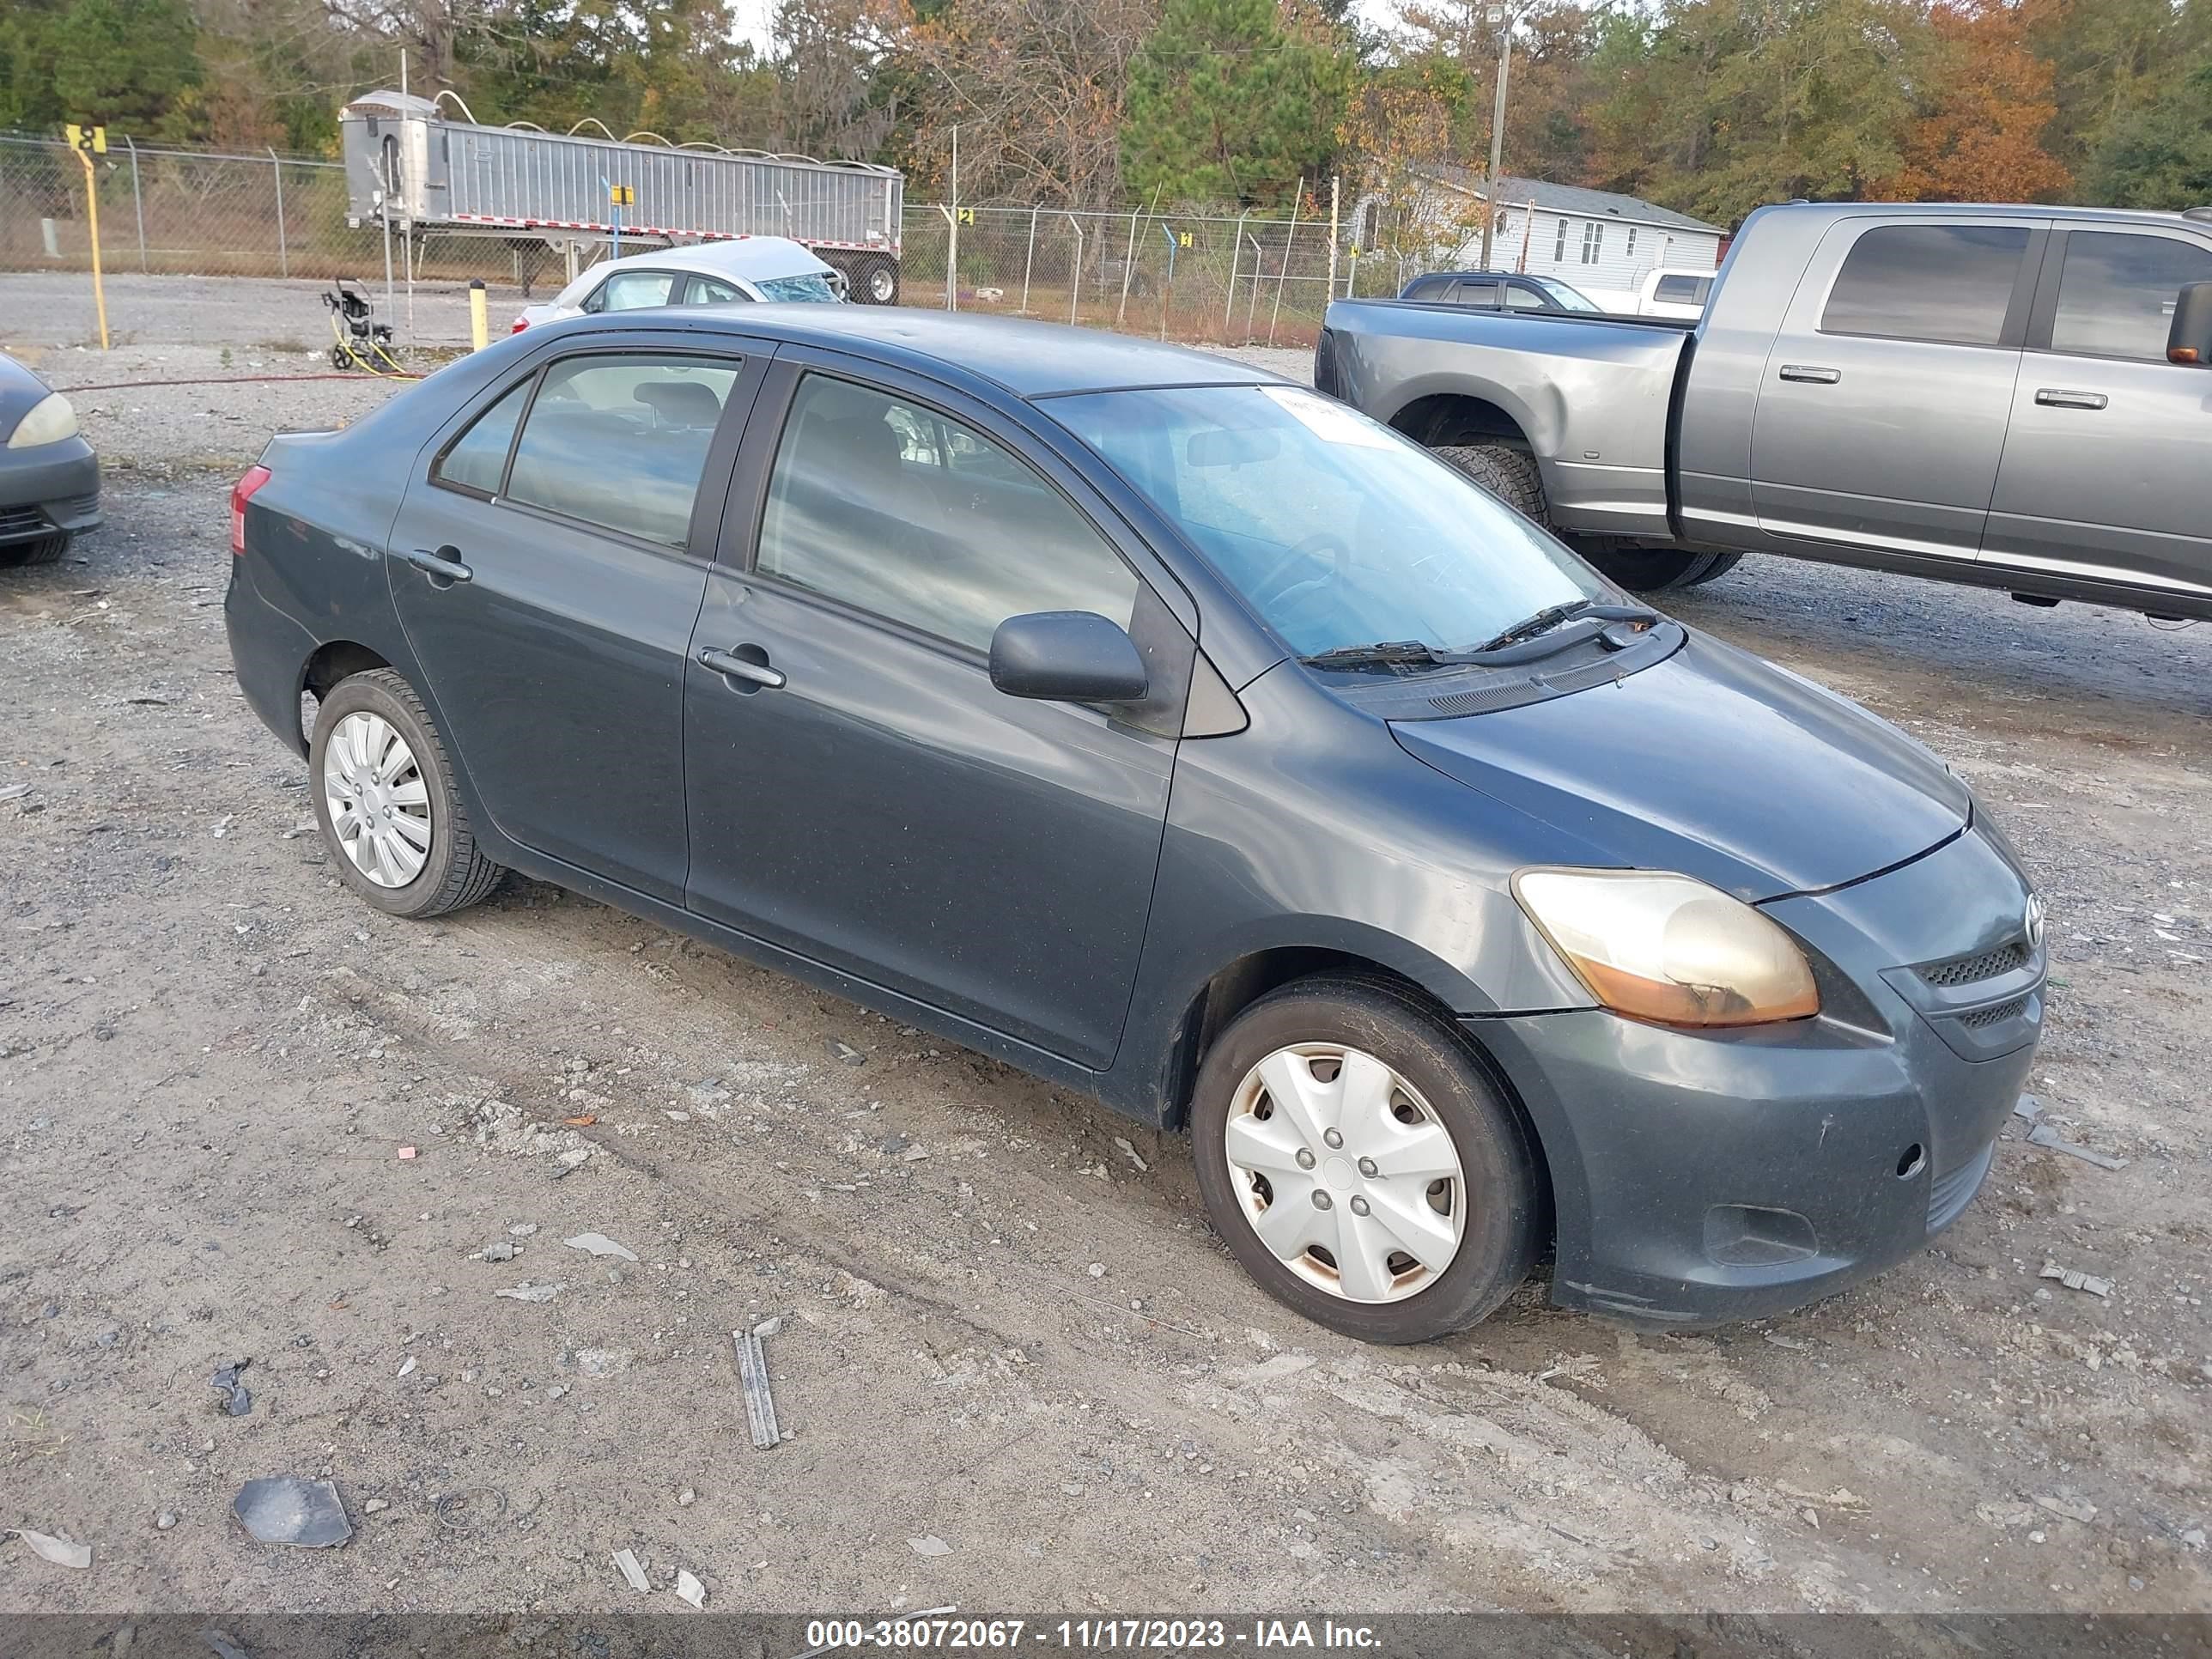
[(2015, 397)]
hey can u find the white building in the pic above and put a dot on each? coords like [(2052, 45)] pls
[(1602, 243)]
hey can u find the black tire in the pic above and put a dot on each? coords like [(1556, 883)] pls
[(1502, 1194), (454, 874), (1721, 564), (47, 550), (1652, 569), (875, 282), (1509, 474)]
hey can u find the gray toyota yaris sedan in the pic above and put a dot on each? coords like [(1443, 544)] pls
[(1176, 733)]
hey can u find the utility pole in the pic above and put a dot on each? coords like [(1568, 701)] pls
[(1503, 21)]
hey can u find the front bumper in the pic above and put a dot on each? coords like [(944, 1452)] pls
[(1700, 1177), (47, 489)]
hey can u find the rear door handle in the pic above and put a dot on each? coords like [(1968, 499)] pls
[(2053, 397), (443, 566), (1811, 374), (729, 663)]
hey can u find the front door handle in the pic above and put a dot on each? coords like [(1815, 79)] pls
[(2053, 397), (1811, 374), (444, 566), (730, 665)]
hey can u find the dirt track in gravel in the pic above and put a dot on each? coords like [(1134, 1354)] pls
[(212, 1057)]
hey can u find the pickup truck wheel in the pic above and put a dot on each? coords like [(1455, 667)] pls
[(1721, 564), (1508, 474), (1651, 569), (1359, 1165), (384, 801)]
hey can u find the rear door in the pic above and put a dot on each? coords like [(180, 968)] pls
[(2107, 470), (548, 564), (1882, 417)]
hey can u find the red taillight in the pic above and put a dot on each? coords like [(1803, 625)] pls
[(520, 323), (240, 493)]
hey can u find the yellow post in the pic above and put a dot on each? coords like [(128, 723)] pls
[(88, 142), (480, 327)]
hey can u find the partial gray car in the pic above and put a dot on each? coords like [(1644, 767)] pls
[(49, 477), (2013, 396)]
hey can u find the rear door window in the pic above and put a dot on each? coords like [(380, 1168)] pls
[(1949, 283), (2117, 292), (1483, 295), (905, 513), (621, 442), (632, 290), (1683, 290), (706, 291)]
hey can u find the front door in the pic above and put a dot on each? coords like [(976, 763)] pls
[(1882, 415), (548, 573), (2108, 469), (859, 792)]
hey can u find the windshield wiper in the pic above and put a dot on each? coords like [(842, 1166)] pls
[(1557, 616), (1384, 654)]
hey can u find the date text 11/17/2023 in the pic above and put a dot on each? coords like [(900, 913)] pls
[(941, 1631)]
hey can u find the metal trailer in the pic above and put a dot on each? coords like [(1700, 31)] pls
[(413, 168)]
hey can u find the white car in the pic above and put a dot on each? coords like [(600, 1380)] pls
[(743, 269), (1674, 291)]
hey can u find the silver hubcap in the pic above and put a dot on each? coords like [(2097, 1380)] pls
[(1345, 1172), (880, 285), (379, 805)]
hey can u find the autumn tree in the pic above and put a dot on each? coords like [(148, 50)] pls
[(1986, 102)]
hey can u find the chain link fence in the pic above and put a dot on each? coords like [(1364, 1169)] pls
[(1215, 278)]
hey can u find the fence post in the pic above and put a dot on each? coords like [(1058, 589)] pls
[(1075, 290), (1252, 305), (1290, 242), (137, 203), (1030, 263), (1235, 254), (283, 255), (1335, 182)]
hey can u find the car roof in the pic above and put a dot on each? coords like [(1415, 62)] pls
[(1028, 358), (756, 259), (2069, 215)]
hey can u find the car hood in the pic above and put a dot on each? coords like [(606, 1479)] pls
[(1715, 764)]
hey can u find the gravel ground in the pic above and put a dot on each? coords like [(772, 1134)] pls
[(1002, 1327)]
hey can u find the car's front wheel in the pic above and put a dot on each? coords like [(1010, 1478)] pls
[(386, 803), (47, 550), (1361, 1166)]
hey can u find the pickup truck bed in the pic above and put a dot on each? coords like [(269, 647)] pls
[(1979, 394)]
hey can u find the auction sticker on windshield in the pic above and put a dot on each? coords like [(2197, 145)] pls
[(1326, 418)]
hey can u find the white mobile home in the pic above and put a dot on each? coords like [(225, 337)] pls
[(1602, 243)]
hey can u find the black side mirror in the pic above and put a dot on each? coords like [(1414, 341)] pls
[(1066, 656), (2190, 340)]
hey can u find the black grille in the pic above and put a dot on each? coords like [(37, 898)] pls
[(1489, 697), (16, 519), (1972, 970), (1996, 1014)]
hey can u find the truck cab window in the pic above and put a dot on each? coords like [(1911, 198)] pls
[(1949, 283), (2117, 292)]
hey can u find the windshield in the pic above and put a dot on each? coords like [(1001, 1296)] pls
[(812, 286), (1572, 299), (1339, 532)]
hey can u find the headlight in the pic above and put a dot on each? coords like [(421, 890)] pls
[(51, 420), (1670, 950)]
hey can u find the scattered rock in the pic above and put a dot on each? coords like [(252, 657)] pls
[(690, 1588), (2075, 1279), (847, 1052), (2073, 1509), (502, 1251), (686, 1498), (375, 1506), (407, 1366), (532, 1293), (929, 1545), (165, 1519), (857, 1290), (236, 1400), (602, 1362), (628, 1563)]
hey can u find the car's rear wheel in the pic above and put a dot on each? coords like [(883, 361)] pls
[(1361, 1166), (47, 550), (386, 804)]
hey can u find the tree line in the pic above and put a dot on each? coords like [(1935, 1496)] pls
[(1709, 106)]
